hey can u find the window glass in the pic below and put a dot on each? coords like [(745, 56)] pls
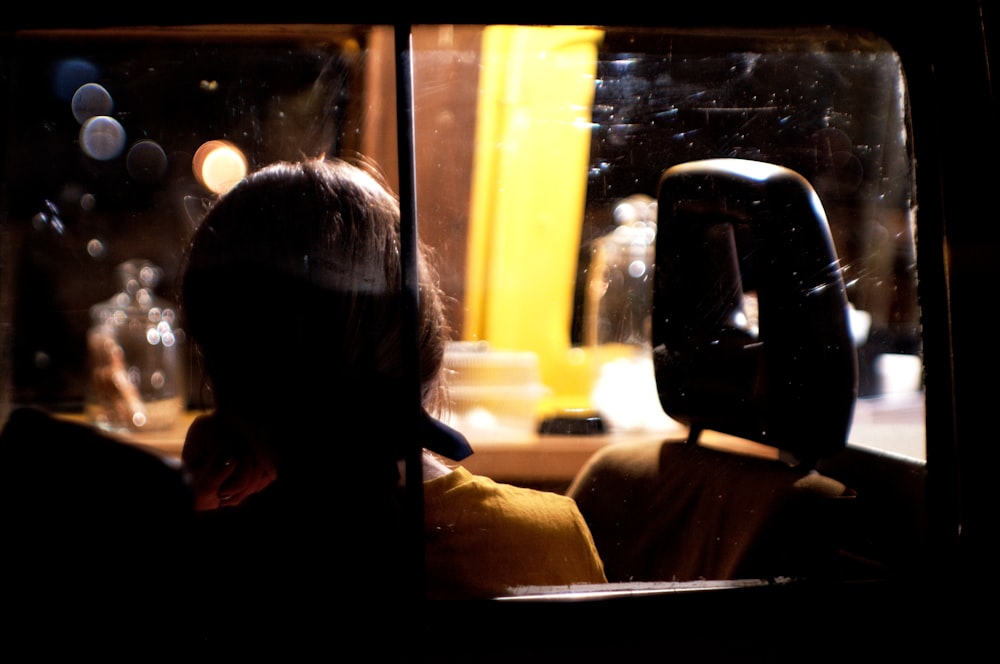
[(117, 140), (538, 155), (572, 130)]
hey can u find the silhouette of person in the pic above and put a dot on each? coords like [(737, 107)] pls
[(292, 291)]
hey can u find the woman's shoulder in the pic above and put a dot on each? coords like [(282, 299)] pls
[(494, 536), (481, 496)]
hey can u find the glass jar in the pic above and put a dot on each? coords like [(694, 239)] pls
[(134, 347), (618, 304), (618, 320)]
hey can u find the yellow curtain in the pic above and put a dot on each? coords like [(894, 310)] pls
[(529, 188)]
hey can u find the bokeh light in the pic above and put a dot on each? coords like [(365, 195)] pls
[(70, 74), (102, 137), (219, 165), (146, 161), (91, 100)]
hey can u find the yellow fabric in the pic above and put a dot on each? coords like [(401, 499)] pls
[(484, 538), (536, 94)]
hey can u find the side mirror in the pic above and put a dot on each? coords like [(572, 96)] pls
[(751, 334)]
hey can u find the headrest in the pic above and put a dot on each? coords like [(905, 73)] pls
[(750, 330)]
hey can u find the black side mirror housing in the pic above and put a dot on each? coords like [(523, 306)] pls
[(751, 331)]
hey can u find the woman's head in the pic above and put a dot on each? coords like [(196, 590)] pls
[(293, 289)]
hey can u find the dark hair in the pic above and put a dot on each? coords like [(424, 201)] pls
[(293, 287)]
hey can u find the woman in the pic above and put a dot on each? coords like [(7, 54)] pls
[(292, 291)]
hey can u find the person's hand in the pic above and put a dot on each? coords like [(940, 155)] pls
[(226, 463)]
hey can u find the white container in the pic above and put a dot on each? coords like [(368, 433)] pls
[(492, 391), (899, 373)]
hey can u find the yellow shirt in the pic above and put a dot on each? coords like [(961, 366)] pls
[(484, 539)]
